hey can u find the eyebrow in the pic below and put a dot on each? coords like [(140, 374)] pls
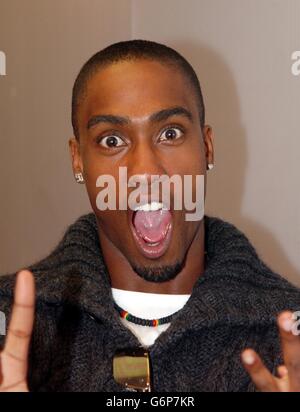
[(159, 116)]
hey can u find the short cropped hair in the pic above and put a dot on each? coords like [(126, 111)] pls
[(128, 51)]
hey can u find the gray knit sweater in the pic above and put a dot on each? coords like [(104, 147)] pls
[(77, 330)]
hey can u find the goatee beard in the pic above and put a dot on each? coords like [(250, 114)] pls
[(159, 274)]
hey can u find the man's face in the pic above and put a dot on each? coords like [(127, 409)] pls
[(167, 145)]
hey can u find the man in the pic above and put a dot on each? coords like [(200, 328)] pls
[(194, 295)]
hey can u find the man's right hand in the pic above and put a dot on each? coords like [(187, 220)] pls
[(14, 357)]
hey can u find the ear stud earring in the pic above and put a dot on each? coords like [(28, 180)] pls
[(79, 177), (210, 165)]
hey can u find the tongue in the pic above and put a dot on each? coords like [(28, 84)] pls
[(152, 226)]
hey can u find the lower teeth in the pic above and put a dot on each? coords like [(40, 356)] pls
[(146, 241), (153, 244)]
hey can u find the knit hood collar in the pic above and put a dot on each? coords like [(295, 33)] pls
[(236, 286)]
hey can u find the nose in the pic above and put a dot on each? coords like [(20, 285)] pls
[(145, 160)]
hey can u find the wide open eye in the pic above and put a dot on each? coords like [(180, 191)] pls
[(171, 133), (111, 141)]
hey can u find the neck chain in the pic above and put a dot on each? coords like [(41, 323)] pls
[(144, 322)]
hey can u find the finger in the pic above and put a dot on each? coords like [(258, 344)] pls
[(282, 380), (282, 371), (260, 375), (21, 322), (291, 348)]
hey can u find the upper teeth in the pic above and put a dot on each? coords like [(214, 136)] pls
[(150, 207)]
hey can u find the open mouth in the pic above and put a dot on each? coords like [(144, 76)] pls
[(151, 225)]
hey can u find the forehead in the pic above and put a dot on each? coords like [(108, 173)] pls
[(136, 88)]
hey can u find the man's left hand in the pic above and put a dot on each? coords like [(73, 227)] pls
[(288, 379)]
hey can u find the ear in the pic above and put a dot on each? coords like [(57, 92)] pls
[(208, 141), (74, 147)]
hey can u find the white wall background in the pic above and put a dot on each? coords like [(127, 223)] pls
[(241, 50), (46, 42)]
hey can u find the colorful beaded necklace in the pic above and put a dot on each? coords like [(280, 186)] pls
[(144, 322)]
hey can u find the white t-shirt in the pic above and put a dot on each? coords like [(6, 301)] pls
[(148, 306)]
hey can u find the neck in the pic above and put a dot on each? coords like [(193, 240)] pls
[(183, 283)]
